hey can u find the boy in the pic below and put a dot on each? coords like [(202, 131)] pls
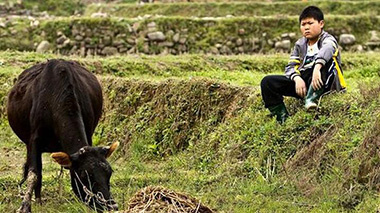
[(313, 69)]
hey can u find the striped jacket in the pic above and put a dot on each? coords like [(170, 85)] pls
[(328, 56)]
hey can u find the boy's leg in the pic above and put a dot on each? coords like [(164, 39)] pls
[(312, 95), (273, 88)]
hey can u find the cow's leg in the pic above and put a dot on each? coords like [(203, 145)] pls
[(37, 191), (32, 179), (24, 176), (24, 173)]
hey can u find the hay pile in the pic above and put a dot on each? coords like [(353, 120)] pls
[(158, 199)]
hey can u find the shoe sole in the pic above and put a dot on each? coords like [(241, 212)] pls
[(311, 107)]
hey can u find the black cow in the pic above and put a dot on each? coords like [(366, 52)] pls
[(55, 107)]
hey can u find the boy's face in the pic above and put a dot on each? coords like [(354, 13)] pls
[(311, 28)]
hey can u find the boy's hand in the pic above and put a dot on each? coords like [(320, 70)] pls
[(300, 86), (316, 82)]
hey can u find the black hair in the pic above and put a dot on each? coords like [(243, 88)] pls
[(311, 12)]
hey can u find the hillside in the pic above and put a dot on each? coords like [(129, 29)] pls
[(215, 137), (181, 91)]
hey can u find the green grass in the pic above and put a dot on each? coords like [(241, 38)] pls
[(196, 124)]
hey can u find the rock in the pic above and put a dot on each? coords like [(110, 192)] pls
[(239, 42), (182, 48), (168, 44), (151, 25), (131, 41), (87, 40), (270, 42), (88, 33), (66, 42), (74, 31), (13, 32), (61, 39), (373, 44), (283, 45), (285, 36), (82, 51), (99, 15), (35, 23), (218, 46), (3, 25), (107, 40), (146, 48), (156, 36), (130, 29), (240, 49), (109, 51), (359, 48), (43, 47), (165, 51), (123, 50), (78, 38), (176, 37), (173, 51), (90, 52), (132, 50), (241, 31), (347, 39), (73, 50), (136, 26), (182, 40), (118, 42), (225, 50), (214, 50), (374, 36), (292, 35)]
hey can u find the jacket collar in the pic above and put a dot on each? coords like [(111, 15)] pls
[(322, 35)]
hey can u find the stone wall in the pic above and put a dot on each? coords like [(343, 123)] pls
[(226, 36)]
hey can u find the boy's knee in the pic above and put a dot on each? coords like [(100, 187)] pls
[(265, 81)]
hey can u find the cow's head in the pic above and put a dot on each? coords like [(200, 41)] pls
[(90, 175)]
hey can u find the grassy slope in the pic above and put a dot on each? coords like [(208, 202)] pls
[(220, 146)]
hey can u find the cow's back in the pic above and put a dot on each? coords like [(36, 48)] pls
[(58, 98)]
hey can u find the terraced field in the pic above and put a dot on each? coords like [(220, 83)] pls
[(195, 123)]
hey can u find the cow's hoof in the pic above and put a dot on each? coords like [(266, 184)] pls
[(25, 208), (39, 201)]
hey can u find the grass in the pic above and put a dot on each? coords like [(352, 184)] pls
[(196, 124)]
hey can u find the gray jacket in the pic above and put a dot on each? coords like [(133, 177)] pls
[(328, 53)]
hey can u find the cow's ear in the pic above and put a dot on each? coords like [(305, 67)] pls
[(62, 158), (109, 150)]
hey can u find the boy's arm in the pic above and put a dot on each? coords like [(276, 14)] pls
[(329, 47), (291, 69)]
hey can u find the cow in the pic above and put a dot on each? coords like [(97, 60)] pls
[(54, 107)]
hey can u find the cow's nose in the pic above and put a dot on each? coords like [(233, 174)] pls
[(114, 207)]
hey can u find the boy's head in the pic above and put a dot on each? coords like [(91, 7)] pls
[(311, 22)]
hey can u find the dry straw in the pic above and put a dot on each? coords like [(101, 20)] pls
[(158, 199)]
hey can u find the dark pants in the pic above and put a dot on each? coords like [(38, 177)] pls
[(274, 87)]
